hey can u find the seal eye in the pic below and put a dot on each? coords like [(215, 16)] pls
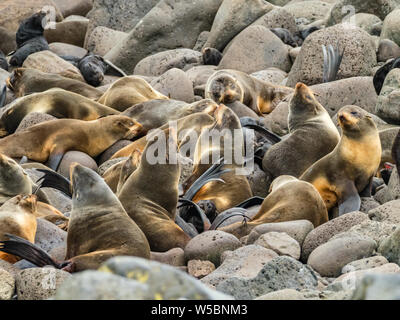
[(308, 97), (354, 113)]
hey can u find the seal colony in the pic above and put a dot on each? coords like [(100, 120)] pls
[(124, 148)]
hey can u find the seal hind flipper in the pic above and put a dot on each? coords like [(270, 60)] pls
[(211, 174), (192, 210), (251, 123), (253, 201), (222, 217), (350, 200), (55, 158), (113, 70), (3, 96), (52, 179), (26, 250), (186, 227), (332, 61)]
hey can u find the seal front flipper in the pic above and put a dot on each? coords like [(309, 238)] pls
[(251, 123), (52, 179), (186, 227), (349, 200), (3, 96), (253, 201), (223, 216), (194, 212), (55, 158), (25, 250)]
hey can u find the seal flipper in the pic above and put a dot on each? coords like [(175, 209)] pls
[(211, 174), (253, 201), (332, 61), (186, 227), (3, 96), (52, 179), (367, 192), (195, 212), (251, 123), (223, 216), (350, 200), (28, 251), (55, 158)]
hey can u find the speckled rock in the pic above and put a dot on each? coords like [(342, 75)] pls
[(10, 268), (280, 273), (281, 243), (48, 236), (159, 63), (200, 74), (388, 212), (259, 182), (310, 11), (34, 118), (256, 48), (74, 7), (71, 157), (65, 49), (324, 232), (366, 263), (383, 195), (162, 281), (47, 61), (199, 269), (108, 164), (244, 262), (329, 258), (387, 50), (103, 39), (39, 283), (380, 9), (391, 27), (285, 294), (273, 75), (72, 32), (232, 17), (7, 285), (298, 230), (175, 84), (169, 25), (368, 204), (174, 257), (367, 21), (378, 287), (210, 245), (352, 279), (201, 40), (359, 58), (390, 247), (277, 18)]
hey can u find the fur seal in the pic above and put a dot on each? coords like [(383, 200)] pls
[(211, 56), (99, 228), (185, 125), (49, 141), (287, 37), (156, 113), (30, 28), (56, 102), (349, 169), (150, 196), (129, 91), (29, 47), (24, 81), (236, 187), (312, 136), (289, 199), (382, 72), (227, 86), (17, 216), (92, 68)]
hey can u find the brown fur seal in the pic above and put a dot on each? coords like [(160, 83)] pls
[(236, 188), (49, 141), (99, 228), (193, 123), (227, 86), (128, 91), (150, 197), (349, 169), (25, 81), (155, 113), (290, 199), (17, 216), (312, 136), (56, 102)]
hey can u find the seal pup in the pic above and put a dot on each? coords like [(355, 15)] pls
[(236, 187), (211, 56), (129, 91), (228, 86), (49, 141), (382, 72), (17, 216), (289, 199), (150, 195), (24, 81), (349, 169), (312, 135), (92, 67), (56, 102), (99, 228)]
